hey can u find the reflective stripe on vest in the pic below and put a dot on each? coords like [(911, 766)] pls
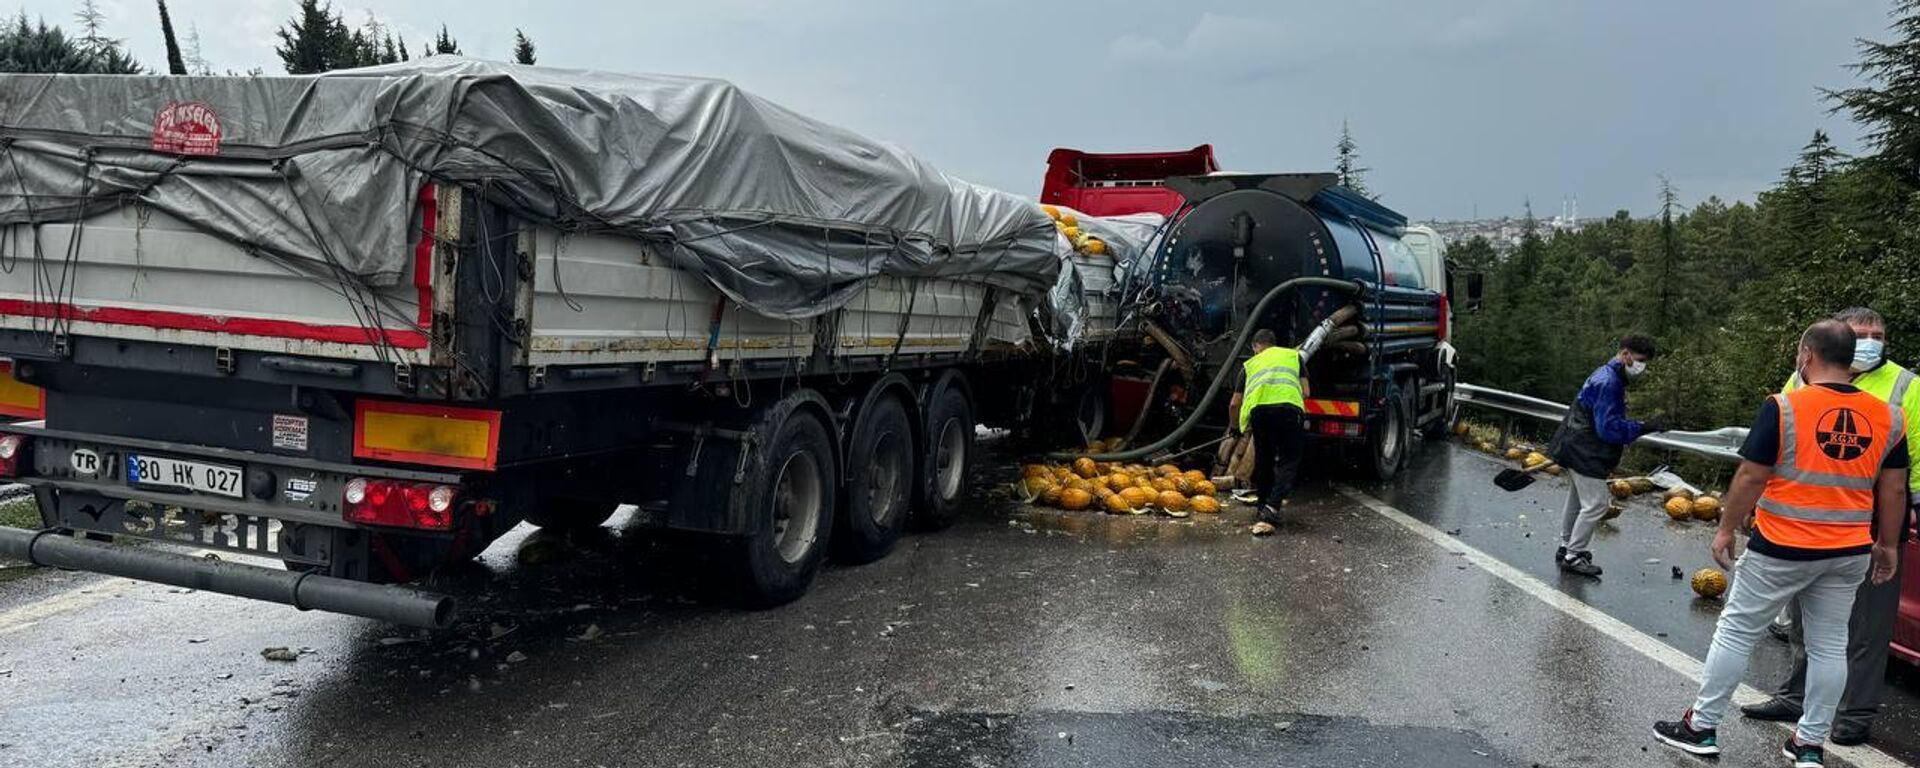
[(1832, 445), (1273, 378)]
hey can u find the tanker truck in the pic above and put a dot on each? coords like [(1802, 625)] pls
[(1383, 373)]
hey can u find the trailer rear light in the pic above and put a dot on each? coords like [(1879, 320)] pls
[(13, 448), (20, 399), (462, 438), (399, 504), (1337, 428)]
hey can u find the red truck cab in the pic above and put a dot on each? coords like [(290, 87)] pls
[(1121, 183)]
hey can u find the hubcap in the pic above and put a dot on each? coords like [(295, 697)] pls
[(950, 459), (797, 502), (883, 483)]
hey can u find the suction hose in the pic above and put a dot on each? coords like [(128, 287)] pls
[(1213, 390)]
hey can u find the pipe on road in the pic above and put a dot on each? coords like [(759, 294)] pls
[(1226, 371), (306, 591)]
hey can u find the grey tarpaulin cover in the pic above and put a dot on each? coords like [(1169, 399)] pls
[(785, 214)]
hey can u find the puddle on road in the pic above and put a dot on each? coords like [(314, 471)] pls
[(1156, 739)]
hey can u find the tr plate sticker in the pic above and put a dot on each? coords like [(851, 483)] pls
[(299, 489), (289, 432)]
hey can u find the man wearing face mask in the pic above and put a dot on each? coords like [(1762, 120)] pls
[(1590, 441), (1875, 606)]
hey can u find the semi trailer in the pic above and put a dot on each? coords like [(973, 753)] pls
[(363, 323)]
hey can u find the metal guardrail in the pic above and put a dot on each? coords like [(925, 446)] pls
[(1723, 443)]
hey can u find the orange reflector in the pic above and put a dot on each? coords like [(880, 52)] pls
[(18, 398), (467, 438)]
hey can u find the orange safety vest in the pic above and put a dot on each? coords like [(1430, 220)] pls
[(1831, 447)]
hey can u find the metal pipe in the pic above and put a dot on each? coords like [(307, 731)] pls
[(306, 591), (1227, 370)]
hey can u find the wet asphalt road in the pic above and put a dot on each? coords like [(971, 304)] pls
[(1020, 637)]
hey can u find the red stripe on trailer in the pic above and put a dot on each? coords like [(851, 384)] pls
[(1333, 408), (250, 326), (181, 321)]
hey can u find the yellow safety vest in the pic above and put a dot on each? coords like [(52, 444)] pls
[(1273, 378), (1894, 386)]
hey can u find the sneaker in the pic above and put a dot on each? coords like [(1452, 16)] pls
[(1269, 515), (1245, 496), (1580, 563), (1680, 735), (1804, 755), (1780, 631)]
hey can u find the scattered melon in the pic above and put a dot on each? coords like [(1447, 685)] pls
[(1119, 480), (1137, 497), (1035, 470), (1678, 493), (1516, 453), (1166, 485), (1620, 489), (1536, 459), (1204, 504), (1052, 495), (1640, 484), (1075, 499), (1204, 488), (1117, 504), (1706, 508), (1172, 501), (1194, 476), (1166, 470), (1084, 467), (1679, 508), (1709, 583)]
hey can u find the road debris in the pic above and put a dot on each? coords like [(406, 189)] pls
[(279, 654), (1263, 528), (516, 657)]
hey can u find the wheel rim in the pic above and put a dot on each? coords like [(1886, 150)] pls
[(950, 459), (797, 501), (1390, 442), (884, 481)]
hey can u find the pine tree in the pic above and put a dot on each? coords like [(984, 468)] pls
[(38, 48), (316, 41), (522, 48), (91, 18), (1347, 159), (1669, 256), (445, 43), (1887, 107), (176, 64)]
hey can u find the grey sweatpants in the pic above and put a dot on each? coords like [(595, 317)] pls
[(1587, 500), (1761, 585), (1875, 607)]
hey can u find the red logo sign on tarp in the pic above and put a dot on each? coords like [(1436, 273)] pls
[(187, 128)]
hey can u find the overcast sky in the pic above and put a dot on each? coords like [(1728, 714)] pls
[(1458, 105)]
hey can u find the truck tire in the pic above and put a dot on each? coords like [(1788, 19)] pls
[(880, 481), (1389, 441), (948, 456), (787, 495)]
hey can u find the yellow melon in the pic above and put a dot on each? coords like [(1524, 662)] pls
[(1205, 488), (1706, 508), (1172, 501), (1166, 470), (1137, 496), (1165, 485), (1119, 480), (1117, 504), (1709, 583), (1205, 504), (1052, 496), (1075, 499), (1679, 508), (1620, 489), (1084, 467)]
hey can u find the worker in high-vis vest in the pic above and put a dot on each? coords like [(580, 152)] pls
[(1876, 606), (1269, 405), (1824, 478)]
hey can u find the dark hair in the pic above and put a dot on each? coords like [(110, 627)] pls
[(1831, 341), (1638, 344), (1264, 336), (1860, 316)]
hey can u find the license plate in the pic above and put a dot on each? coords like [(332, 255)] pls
[(154, 471)]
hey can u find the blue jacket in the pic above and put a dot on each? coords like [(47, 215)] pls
[(1596, 431), (1605, 396)]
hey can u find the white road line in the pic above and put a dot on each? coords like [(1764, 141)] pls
[(70, 600), (1648, 645)]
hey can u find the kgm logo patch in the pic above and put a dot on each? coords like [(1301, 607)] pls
[(187, 128), (1843, 434)]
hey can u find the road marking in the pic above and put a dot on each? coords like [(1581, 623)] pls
[(1647, 645), (71, 600)]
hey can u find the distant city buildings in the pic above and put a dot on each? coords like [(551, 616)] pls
[(1506, 231)]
